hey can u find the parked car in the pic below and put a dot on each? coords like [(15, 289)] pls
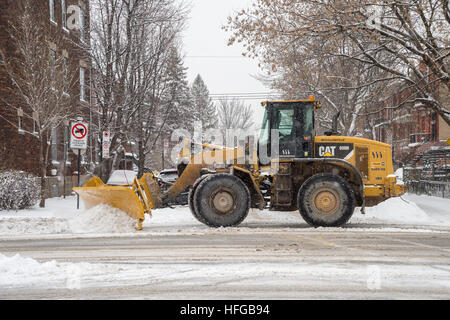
[(166, 178), (121, 177)]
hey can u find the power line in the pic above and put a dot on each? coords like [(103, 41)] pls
[(246, 96), (216, 57), (244, 93), (262, 99)]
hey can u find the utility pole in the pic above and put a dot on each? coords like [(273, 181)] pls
[(162, 151)]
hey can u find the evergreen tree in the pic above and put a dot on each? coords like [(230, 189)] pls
[(179, 102), (204, 109)]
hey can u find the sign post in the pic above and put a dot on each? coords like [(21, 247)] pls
[(78, 142)]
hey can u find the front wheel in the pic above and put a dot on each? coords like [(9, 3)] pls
[(191, 198), (326, 200), (222, 200)]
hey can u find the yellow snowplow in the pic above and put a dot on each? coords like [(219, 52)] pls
[(324, 177), (135, 199)]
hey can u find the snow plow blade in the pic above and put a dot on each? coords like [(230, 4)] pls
[(135, 199)]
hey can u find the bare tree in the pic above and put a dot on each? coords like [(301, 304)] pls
[(40, 79), (312, 68), (405, 41), (130, 41), (234, 114), (162, 109)]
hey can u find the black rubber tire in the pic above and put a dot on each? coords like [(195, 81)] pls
[(341, 190), (191, 197), (227, 183)]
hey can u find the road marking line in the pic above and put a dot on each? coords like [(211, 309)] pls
[(418, 244)]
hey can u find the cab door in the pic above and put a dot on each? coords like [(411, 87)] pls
[(285, 120), (304, 126), (293, 125)]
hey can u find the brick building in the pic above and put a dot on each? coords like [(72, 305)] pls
[(19, 148), (412, 130)]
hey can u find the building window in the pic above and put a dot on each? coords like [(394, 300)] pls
[(82, 84), (434, 131), (52, 10), (54, 144), (52, 56), (65, 75), (20, 116), (64, 14)]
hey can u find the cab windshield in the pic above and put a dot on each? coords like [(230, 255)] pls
[(287, 119)]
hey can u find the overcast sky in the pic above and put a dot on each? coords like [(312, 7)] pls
[(223, 68)]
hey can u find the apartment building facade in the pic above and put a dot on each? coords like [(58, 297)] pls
[(19, 148), (412, 129)]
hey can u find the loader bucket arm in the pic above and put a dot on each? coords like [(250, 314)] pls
[(215, 154), (138, 198)]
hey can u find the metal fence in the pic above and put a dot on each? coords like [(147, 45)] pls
[(430, 188), (432, 176)]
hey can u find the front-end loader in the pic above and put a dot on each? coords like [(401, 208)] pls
[(324, 177)]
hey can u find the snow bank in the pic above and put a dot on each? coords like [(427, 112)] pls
[(34, 225), (61, 217), (396, 211), (102, 219), (19, 271)]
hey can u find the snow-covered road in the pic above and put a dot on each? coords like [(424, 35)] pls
[(400, 249)]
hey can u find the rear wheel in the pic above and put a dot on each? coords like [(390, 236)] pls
[(326, 201), (222, 200)]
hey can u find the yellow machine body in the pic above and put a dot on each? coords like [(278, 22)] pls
[(135, 199), (366, 164), (373, 160)]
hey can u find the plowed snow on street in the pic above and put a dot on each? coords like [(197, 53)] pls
[(399, 249)]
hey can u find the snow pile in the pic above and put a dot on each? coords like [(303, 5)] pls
[(395, 210), (61, 217), (103, 219), (18, 190)]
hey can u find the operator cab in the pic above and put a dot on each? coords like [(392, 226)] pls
[(293, 123)]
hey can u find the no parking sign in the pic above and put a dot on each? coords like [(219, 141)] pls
[(78, 135), (79, 142), (106, 144)]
